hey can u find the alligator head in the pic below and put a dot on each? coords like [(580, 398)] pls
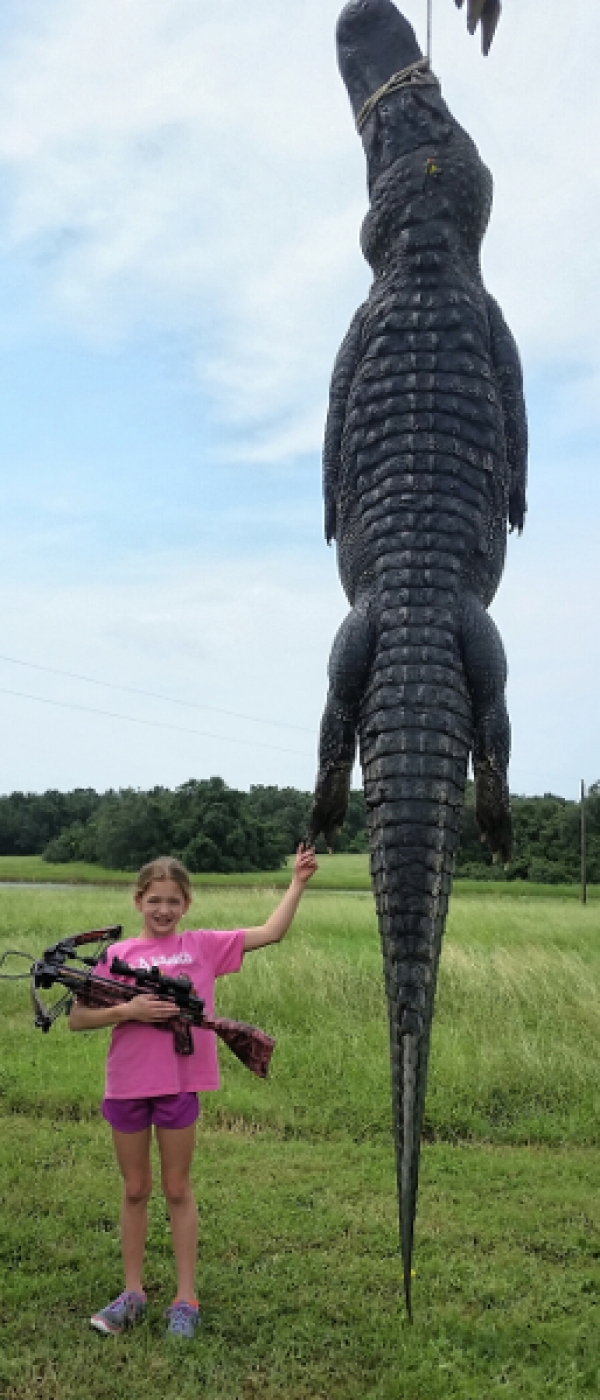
[(406, 130)]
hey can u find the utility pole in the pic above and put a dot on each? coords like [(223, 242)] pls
[(583, 850)]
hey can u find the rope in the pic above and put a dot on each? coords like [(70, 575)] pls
[(416, 75)]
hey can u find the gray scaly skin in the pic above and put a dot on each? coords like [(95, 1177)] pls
[(424, 470)]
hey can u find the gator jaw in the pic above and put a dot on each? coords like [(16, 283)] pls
[(373, 41)]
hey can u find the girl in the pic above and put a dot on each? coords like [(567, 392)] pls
[(148, 1084)]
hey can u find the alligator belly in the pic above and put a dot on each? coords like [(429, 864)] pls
[(423, 449), (423, 454)]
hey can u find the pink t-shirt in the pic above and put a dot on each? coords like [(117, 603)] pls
[(142, 1061)]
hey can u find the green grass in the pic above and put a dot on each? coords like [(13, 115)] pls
[(516, 1049), (299, 1279), (336, 872), (34, 870), (295, 1177)]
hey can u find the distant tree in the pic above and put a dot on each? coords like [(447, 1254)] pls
[(76, 842), (286, 809), (289, 810), (213, 827), (546, 841), (131, 827), (219, 828), (208, 825), (353, 835), (28, 821)]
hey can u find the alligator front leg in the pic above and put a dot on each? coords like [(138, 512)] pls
[(347, 360), (509, 376), (348, 671)]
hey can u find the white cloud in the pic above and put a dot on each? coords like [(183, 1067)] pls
[(196, 170), (184, 170)]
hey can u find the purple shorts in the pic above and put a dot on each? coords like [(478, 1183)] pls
[(167, 1111)]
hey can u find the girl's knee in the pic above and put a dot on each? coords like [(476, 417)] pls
[(137, 1189), (177, 1189)]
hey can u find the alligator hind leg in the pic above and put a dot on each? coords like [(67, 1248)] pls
[(485, 668), (348, 670)]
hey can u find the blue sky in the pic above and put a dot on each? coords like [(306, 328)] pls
[(181, 190)]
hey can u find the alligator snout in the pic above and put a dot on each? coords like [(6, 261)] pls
[(374, 41)]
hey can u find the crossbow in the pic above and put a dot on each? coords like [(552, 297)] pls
[(64, 966)]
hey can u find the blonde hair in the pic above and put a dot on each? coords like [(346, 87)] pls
[(164, 868)]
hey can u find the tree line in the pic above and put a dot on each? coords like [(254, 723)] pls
[(212, 827), (204, 823)]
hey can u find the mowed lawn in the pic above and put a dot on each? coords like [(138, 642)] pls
[(299, 1276), (342, 873), (339, 872)]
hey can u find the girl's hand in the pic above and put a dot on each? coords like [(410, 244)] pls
[(305, 865), (279, 921), (148, 1008)]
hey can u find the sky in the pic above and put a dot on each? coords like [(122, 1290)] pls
[(181, 192)]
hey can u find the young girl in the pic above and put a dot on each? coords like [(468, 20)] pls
[(148, 1084)]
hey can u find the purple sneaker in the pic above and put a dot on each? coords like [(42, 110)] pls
[(184, 1318), (126, 1310)]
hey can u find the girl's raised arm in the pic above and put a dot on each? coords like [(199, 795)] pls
[(279, 921)]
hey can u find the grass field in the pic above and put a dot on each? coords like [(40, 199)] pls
[(300, 1278), (336, 872)]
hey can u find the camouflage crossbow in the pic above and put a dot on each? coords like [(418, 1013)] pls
[(61, 964)]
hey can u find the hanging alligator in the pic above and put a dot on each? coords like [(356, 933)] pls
[(424, 472)]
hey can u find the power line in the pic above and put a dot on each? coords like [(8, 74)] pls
[(149, 723), (153, 695)]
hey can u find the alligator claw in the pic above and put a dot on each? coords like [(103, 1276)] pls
[(492, 811), (517, 509), (486, 13), (330, 805)]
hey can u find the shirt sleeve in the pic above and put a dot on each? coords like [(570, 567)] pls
[(225, 949)]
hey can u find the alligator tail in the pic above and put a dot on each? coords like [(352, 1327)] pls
[(407, 1137), (416, 734)]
